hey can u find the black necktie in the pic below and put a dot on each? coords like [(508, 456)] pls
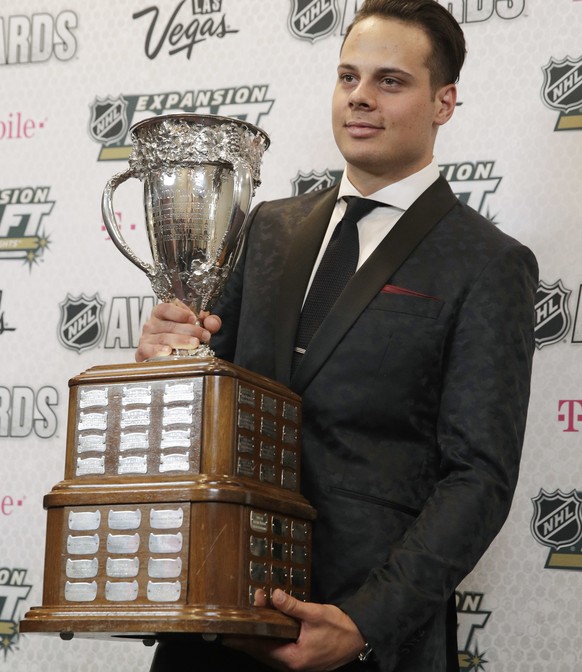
[(337, 266)]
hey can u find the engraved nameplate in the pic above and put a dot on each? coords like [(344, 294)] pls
[(246, 444), (290, 435), (93, 397), (258, 571), (299, 554), (269, 405), (175, 462), (289, 459), (177, 415), (267, 451), (92, 421), (289, 479), (163, 592), (280, 551), (122, 568), (259, 521), (136, 395), (91, 442), (269, 428), (133, 464), (246, 420), (124, 520), (290, 412), (136, 417), (245, 467), (82, 569), (246, 396), (80, 592), (258, 546), (122, 543), (299, 531), (90, 465), (165, 519), (164, 568), (178, 392), (82, 545), (121, 591), (165, 543), (134, 441), (278, 576), (175, 438), (84, 520), (298, 577), (280, 526)]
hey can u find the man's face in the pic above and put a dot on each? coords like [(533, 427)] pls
[(385, 112)]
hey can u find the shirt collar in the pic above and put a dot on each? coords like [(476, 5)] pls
[(401, 194)]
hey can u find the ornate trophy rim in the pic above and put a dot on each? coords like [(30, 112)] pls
[(203, 119)]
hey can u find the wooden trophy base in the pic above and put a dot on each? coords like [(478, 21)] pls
[(180, 500)]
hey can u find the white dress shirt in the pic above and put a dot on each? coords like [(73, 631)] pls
[(374, 227)]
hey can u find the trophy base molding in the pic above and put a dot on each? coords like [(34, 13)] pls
[(180, 500)]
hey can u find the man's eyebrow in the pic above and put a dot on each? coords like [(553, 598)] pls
[(379, 71)]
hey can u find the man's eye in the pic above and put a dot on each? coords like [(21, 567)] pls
[(348, 79)]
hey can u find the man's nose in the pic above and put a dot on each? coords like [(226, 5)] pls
[(363, 96)]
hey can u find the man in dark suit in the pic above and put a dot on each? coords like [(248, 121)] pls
[(415, 385)]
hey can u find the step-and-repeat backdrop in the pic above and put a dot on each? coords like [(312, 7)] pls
[(75, 75)]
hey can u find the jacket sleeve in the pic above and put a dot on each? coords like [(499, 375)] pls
[(480, 428)]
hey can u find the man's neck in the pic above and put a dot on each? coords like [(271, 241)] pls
[(368, 183)]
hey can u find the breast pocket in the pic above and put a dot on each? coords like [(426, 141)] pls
[(407, 302)]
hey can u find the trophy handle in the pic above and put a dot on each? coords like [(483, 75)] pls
[(112, 227)]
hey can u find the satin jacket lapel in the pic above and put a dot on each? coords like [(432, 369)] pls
[(414, 224), (300, 261)]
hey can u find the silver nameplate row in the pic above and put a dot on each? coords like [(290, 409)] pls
[(164, 568), (136, 395), (92, 421), (177, 415), (80, 592), (134, 441), (175, 438), (135, 417), (122, 543), (90, 465), (83, 545), (165, 543), (133, 464), (122, 568), (166, 519), (124, 520), (82, 569), (259, 521), (268, 405), (163, 592), (121, 591), (93, 397), (178, 392), (84, 520), (174, 462), (91, 443)]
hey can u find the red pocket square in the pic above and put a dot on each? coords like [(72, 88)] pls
[(394, 289)]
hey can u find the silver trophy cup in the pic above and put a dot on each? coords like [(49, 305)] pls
[(199, 174)]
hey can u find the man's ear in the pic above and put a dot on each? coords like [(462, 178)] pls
[(445, 102)]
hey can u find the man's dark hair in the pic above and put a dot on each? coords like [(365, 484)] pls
[(445, 34)]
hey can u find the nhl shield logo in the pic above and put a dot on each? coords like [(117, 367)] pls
[(562, 88), (557, 519), (313, 19), (305, 183), (552, 314), (108, 120), (80, 326)]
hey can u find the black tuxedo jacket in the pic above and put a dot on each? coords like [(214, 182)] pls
[(415, 392)]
